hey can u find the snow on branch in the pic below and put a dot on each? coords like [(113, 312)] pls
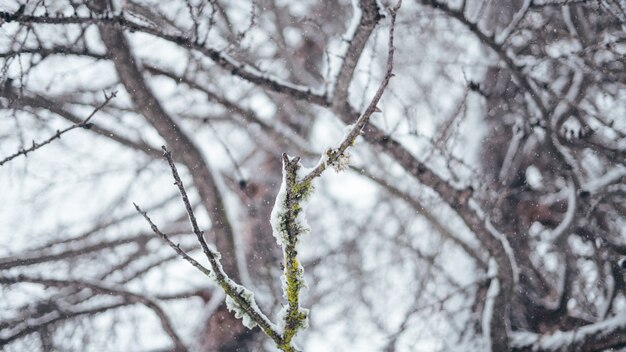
[(600, 183), (561, 231), (593, 337), (519, 15), (288, 215), (227, 62), (288, 225), (239, 299), (490, 304), (337, 157)]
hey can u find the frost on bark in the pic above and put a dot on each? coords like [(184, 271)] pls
[(477, 205)]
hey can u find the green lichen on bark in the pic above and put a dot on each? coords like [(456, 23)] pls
[(292, 226), (296, 317), (301, 190), (338, 160)]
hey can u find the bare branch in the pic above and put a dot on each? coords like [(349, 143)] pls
[(44, 256), (287, 221), (175, 247), (242, 70), (366, 15), (38, 102), (427, 214), (192, 217), (64, 316), (127, 295), (243, 298), (84, 124), (333, 156)]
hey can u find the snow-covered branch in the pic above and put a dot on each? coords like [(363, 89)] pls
[(227, 62), (599, 336), (239, 299)]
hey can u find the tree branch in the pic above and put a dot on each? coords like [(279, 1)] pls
[(84, 124), (607, 334), (40, 102), (224, 60), (238, 294), (182, 145), (334, 157), (179, 346), (288, 221), (365, 18)]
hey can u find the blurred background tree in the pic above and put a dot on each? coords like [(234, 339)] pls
[(483, 208)]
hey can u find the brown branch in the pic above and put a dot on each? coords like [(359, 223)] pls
[(40, 102), (230, 287), (102, 289), (84, 124), (99, 226), (333, 156), (192, 217), (180, 142), (369, 17), (175, 247), (275, 130), (54, 50), (62, 316), (228, 63), (38, 257)]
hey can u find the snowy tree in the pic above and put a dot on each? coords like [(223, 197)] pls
[(364, 175)]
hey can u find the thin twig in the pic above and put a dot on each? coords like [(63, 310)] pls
[(175, 247), (334, 155), (232, 289), (179, 346), (192, 217), (59, 317), (227, 62), (296, 192), (85, 124), (229, 154)]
